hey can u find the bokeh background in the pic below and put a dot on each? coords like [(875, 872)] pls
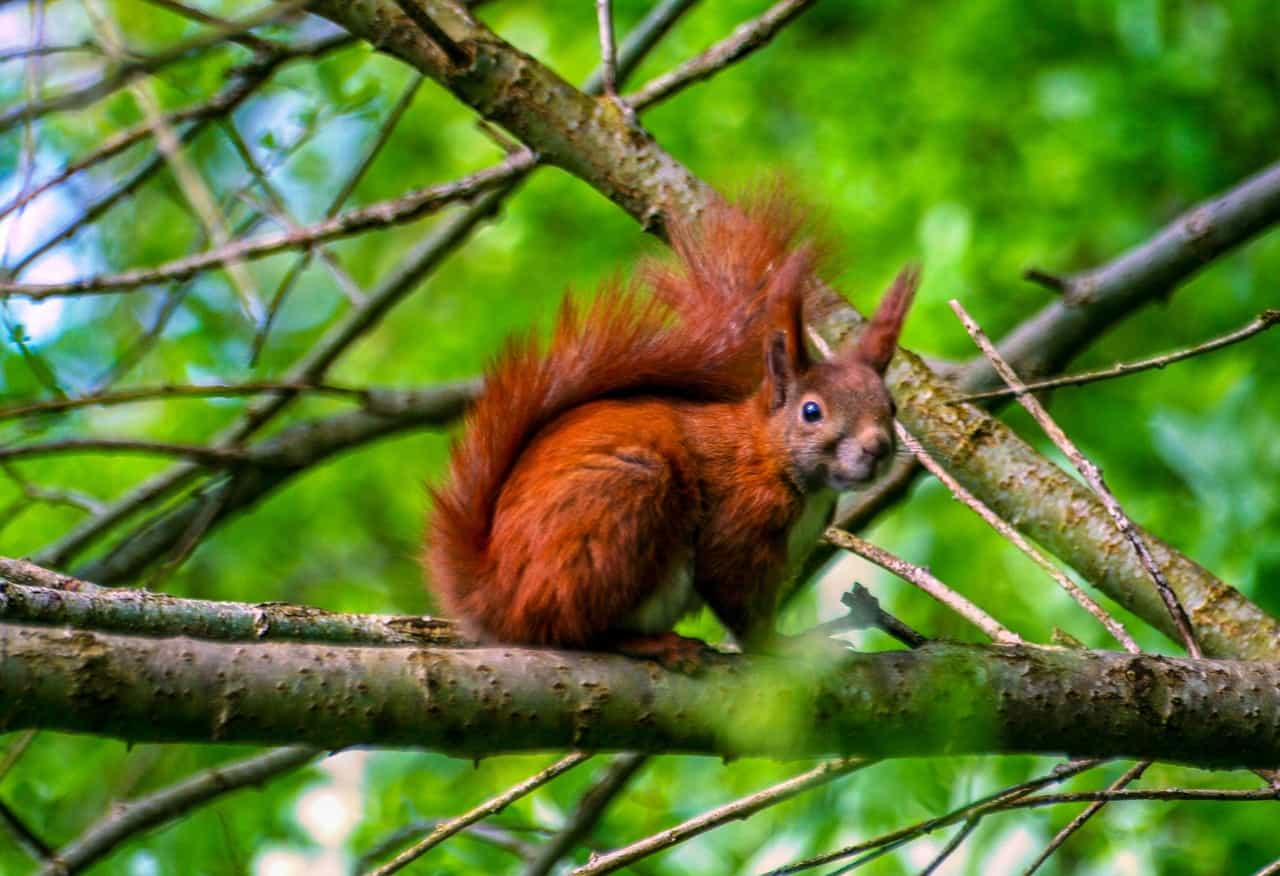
[(979, 137)]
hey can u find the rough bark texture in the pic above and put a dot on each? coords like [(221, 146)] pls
[(940, 698)]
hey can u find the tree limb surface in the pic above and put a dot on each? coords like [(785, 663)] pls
[(942, 698)]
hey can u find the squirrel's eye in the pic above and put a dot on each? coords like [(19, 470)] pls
[(811, 411)]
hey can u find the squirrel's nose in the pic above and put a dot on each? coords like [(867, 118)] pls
[(875, 447)]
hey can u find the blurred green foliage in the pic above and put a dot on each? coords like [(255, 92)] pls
[(981, 137)]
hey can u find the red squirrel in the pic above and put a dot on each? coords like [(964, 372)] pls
[(658, 453)]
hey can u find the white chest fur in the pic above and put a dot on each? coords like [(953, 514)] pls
[(671, 601), (806, 531)]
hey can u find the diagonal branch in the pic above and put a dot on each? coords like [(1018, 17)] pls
[(168, 804), (743, 41), (1091, 474), (446, 829), (737, 810)]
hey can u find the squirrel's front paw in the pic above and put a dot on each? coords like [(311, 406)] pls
[(672, 651)]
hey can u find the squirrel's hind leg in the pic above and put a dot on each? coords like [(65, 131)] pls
[(581, 545)]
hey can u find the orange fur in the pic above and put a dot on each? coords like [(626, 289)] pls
[(641, 449)]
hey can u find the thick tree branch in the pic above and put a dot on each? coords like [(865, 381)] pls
[(484, 701)]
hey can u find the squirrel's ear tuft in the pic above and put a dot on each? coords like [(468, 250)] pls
[(879, 339), (779, 369)]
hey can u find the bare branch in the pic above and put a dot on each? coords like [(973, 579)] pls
[(1130, 775), (24, 835), (748, 37), (168, 804), (970, 811), (213, 456), (195, 191), (1110, 796), (1091, 473), (397, 210), (248, 40), (1096, 299), (743, 807), (494, 805), (922, 578), (498, 837), (591, 807), (1260, 323), (168, 391), (954, 843)]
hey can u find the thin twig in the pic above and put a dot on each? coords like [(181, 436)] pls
[(922, 578), (248, 40), (608, 57), (167, 804), (405, 208), (278, 210), (1229, 795), (168, 391), (1260, 323), (1270, 870), (744, 807), (1091, 474), (215, 456), (977, 808), (498, 837), (1129, 776), (446, 829), (743, 41), (591, 807), (26, 838), (954, 843), (865, 611), (1085, 601), (14, 752)]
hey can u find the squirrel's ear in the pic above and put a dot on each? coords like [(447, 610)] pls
[(779, 368), (880, 338)]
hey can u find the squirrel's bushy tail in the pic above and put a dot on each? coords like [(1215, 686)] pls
[(700, 335)]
